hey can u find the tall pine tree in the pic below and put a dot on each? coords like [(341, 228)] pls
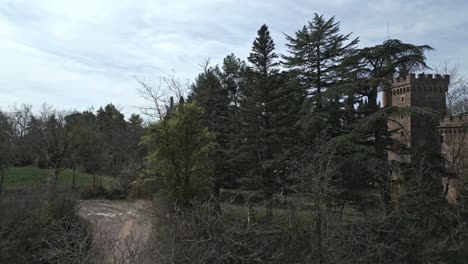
[(209, 93), (266, 119), (233, 78), (316, 53)]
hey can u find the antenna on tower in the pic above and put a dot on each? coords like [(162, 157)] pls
[(388, 28)]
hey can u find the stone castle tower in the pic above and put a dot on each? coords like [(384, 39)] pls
[(418, 133)]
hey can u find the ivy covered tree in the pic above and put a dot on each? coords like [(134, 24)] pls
[(179, 154)]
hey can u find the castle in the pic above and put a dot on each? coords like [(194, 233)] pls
[(447, 137)]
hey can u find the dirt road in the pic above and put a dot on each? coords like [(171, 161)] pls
[(120, 228)]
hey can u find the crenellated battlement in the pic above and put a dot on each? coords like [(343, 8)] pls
[(421, 79), (454, 121), (424, 90), (426, 83)]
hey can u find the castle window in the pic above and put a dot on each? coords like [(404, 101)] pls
[(441, 139), (402, 99), (451, 118)]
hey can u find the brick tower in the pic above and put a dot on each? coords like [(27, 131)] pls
[(418, 134)]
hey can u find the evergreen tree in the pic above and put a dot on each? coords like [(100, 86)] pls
[(266, 120), (316, 53), (233, 78), (86, 145), (112, 127), (374, 68), (209, 93)]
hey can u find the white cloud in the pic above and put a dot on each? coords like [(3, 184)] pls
[(74, 54)]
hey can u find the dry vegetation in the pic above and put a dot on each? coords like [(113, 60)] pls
[(33, 230)]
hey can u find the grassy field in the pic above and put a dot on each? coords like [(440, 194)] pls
[(17, 177)]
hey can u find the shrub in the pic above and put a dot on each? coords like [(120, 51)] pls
[(32, 231)]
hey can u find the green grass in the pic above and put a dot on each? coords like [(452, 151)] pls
[(17, 177)]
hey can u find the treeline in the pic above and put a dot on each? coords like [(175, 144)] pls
[(263, 114), (96, 142)]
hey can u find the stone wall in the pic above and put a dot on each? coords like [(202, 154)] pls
[(417, 132), (453, 136)]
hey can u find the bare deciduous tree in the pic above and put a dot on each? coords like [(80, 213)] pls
[(53, 138), (455, 150), (6, 132), (318, 180), (158, 94), (457, 95)]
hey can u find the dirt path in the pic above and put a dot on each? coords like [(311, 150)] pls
[(120, 228)]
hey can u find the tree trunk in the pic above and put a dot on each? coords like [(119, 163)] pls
[(216, 191), (319, 234), (52, 186), (1, 184), (385, 177), (269, 212), (73, 179), (372, 101), (318, 82), (94, 180)]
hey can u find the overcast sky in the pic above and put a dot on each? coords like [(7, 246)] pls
[(81, 54)]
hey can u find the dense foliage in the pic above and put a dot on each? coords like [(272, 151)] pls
[(100, 142)]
